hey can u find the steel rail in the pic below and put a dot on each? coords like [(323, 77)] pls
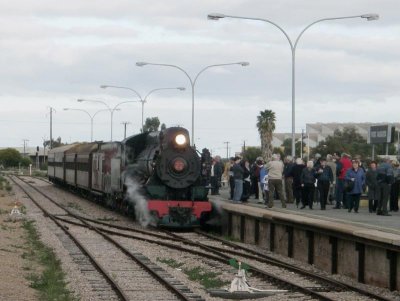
[(222, 258), (137, 259), (277, 262), (219, 251), (117, 289)]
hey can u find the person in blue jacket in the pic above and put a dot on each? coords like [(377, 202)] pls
[(263, 173), (357, 176)]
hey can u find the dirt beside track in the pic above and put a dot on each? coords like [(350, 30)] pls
[(14, 269)]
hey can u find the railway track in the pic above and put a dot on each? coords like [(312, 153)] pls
[(114, 271), (220, 250)]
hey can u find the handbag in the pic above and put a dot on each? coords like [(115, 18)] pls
[(348, 185)]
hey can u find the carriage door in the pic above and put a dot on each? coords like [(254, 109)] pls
[(115, 174), (97, 171)]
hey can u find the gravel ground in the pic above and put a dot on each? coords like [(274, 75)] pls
[(84, 288), (190, 261), (81, 206), (384, 292), (134, 281), (297, 278), (14, 268), (49, 235)]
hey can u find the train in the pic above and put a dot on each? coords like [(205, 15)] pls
[(156, 176)]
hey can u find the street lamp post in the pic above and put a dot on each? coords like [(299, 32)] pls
[(111, 110), (141, 99), (90, 116), (293, 46), (192, 81)]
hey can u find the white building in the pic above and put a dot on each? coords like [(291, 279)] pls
[(317, 132)]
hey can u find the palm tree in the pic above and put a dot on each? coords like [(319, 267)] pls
[(266, 126)]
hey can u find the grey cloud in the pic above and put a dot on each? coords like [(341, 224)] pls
[(59, 51)]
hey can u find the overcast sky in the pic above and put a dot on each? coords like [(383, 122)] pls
[(54, 52)]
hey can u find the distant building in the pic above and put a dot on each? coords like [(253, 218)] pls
[(278, 138), (318, 132)]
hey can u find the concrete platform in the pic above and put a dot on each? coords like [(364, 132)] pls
[(390, 224), (363, 246)]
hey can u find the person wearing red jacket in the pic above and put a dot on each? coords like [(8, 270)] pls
[(341, 196)]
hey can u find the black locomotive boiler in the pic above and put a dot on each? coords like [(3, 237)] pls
[(167, 170)]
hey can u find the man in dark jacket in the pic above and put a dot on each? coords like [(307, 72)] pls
[(231, 178), (341, 196), (238, 172), (255, 177), (372, 183), (395, 188), (296, 174), (287, 173), (325, 180), (216, 173), (308, 185), (385, 179)]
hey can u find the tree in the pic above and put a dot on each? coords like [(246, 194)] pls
[(163, 126), (279, 150), (251, 153), (266, 127), (25, 161), (10, 157), (349, 141), (56, 143), (151, 124), (287, 147)]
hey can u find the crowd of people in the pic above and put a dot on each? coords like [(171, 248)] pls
[(337, 180)]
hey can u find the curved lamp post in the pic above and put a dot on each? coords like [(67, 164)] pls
[(141, 99), (91, 118), (111, 110), (192, 81), (293, 46)]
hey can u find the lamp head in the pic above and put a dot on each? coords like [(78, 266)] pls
[(370, 17), (141, 64), (215, 16), (80, 100), (181, 88), (244, 64), (103, 86), (66, 109)]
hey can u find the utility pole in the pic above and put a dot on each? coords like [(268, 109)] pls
[(373, 151), (398, 144), (25, 142), (125, 123), (227, 148), (51, 126), (244, 147), (44, 150), (301, 143)]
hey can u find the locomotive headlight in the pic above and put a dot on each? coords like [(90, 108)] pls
[(180, 139)]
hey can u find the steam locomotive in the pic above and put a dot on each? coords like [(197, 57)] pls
[(161, 166)]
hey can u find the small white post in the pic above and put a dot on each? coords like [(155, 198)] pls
[(30, 169)]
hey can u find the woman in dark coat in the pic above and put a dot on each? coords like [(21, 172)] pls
[(308, 185), (246, 181), (357, 176), (296, 174), (372, 183), (325, 179)]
